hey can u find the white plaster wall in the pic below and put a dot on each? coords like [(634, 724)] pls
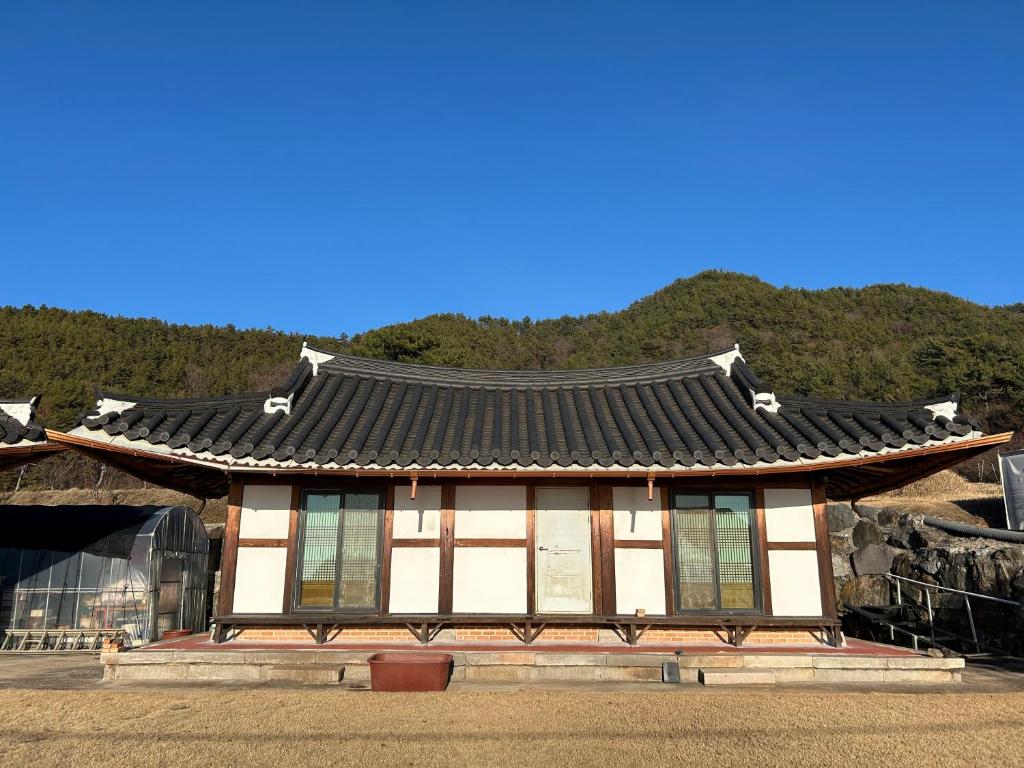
[(796, 590), (407, 522), (259, 579), (489, 580), (415, 579), (629, 500), (490, 512), (265, 512), (788, 514), (639, 581)]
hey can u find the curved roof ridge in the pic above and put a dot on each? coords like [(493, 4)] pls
[(900, 405), (142, 402), (353, 364)]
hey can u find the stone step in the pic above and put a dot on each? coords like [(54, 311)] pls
[(736, 676), (170, 671), (505, 673)]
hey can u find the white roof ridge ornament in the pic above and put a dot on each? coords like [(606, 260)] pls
[(275, 404), (20, 412), (314, 356), (766, 400), (113, 405), (946, 409), (725, 359)]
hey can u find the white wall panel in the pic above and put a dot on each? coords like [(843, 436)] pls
[(418, 518), (259, 579), (788, 514), (265, 512), (636, 517), (639, 581), (415, 579), (796, 590), (489, 580), (490, 512)]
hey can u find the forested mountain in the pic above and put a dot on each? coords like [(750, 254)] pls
[(883, 342)]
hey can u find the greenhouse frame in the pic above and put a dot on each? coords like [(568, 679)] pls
[(71, 576)]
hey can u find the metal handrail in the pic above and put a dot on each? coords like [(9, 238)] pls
[(940, 588), (926, 588)]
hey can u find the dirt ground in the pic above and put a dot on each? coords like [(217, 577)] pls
[(56, 713)]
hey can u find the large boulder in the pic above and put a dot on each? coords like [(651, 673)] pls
[(865, 590), (868, 511), (866, 532), (840, 516), (888, 516), (873, 560)]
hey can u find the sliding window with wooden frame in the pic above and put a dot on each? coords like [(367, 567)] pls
[(714, 552), (340, 546)]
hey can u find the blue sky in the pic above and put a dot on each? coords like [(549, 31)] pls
[(331, 167)]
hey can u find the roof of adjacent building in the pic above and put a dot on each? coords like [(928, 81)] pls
[(22, 436), (344, 412), (18, 425)]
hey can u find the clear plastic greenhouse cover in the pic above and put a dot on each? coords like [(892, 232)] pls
[(142, 570)]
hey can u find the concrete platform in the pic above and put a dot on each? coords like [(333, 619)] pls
[(325, 665)]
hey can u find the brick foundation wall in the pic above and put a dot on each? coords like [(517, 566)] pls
[(501, 634), (707, 637), (354, 634)]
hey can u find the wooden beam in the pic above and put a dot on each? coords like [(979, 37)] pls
[(277, 543), (639, 544), (406, 543), (505, 543)]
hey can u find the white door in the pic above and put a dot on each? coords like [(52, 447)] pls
[(564, 575)]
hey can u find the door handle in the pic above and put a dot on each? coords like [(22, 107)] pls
[(542, 549)]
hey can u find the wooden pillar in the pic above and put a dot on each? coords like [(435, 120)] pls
[(761, 543), (596, 551), (385, 557), (293, 549), (824, 547), (229, 548), (666, 543), (444, 603)]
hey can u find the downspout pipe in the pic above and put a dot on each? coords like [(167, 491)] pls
[(962, 529)]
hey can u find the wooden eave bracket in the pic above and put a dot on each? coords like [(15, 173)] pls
[(413, 479), (650, 487)]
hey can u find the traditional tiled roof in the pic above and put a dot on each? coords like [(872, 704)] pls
[(18, 425), (339, 411), (22, 437)]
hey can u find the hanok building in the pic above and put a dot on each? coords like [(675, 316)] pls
[(657, 502), (22, 437)]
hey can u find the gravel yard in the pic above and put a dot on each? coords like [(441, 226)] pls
[(204, 726)]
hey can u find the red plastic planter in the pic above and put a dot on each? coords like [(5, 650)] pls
[(409, 671)]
